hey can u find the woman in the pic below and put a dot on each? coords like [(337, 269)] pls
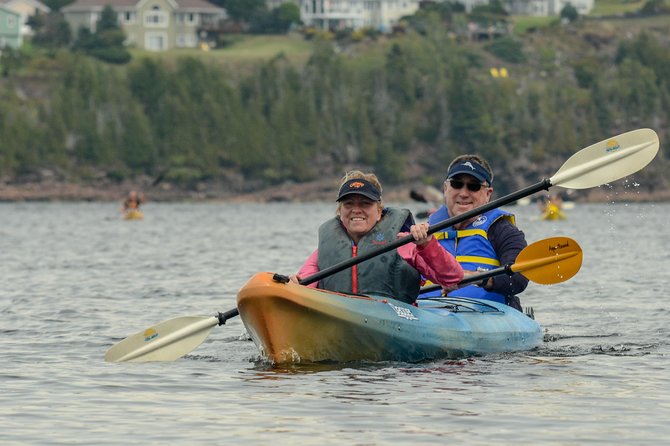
[(363, 225)]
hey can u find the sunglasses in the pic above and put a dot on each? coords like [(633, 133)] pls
[(472, 187)]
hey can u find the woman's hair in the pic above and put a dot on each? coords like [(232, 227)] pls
[(371, 177), (462, 158)]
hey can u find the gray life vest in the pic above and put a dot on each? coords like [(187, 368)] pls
[(387, 275)]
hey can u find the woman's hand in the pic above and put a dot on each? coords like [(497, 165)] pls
[(294, 278), (420, 233)]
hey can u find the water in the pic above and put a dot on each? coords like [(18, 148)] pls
[(76, 280)]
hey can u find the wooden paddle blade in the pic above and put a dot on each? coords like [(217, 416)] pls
[(608, 160), (548, 261), (165, 341)]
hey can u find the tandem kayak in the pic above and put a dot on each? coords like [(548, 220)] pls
[(292, 323)]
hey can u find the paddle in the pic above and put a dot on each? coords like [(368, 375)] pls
[(547, 261), (600, 163)]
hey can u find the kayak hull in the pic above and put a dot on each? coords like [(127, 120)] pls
[(291, 323), (133, 214)]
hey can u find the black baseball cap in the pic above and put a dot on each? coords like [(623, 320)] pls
[(359, 186)]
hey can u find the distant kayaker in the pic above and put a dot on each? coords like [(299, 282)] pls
[(132, 201), (362, 225), (485, 241), (552, 208)]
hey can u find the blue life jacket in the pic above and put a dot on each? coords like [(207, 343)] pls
[(472, 249)]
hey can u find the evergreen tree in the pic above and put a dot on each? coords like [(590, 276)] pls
[(107, 43)]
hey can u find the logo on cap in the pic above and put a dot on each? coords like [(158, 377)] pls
[(469, 164), (356, 185)]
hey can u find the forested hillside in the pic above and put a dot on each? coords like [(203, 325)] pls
[(402, 105)]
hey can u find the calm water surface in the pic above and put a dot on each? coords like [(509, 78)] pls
[(75, 279)]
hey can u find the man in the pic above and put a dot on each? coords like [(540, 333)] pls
[(483, 242)]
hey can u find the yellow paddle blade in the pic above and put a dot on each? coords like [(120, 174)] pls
[(548, 261), (166, 341)]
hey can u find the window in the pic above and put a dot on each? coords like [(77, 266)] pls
[(187, 18), (156, 18), (127, 17)]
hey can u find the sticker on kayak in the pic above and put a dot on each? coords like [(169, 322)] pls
[(404, 312)]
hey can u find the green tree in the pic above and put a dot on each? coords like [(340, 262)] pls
[(471, 127), (244, 10), (399, 76), (281, 18), (649, 52), (569, 12), (50, 30), (652, 7), (56, 5), (508, 49), (107, 43), (11, 60)]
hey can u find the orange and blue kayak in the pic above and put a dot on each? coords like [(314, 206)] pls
[(292, 323)]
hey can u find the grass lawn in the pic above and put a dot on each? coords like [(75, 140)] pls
[(244, 49), (267, 47), (526, 22), (615, 7)]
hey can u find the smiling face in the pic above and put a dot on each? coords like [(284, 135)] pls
[(462, 200), (359, 214)]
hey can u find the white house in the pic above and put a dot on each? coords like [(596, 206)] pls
[(545, 7), (154, 25), (337, 14), (383, 14), (542, 8)]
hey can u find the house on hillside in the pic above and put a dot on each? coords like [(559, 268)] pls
[(26, 9), (468, 4), (155, 25), (339, 14), (545, 8), (10, 28), (272, 4), (542, 8)]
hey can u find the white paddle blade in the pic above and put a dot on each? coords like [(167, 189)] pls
[(608, 160), (167, 341)]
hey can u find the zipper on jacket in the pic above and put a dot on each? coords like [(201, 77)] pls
[(354, 271)]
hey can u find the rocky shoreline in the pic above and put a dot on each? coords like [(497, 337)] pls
[(323, 190)]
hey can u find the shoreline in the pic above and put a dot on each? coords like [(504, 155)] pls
[(323, 190)]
